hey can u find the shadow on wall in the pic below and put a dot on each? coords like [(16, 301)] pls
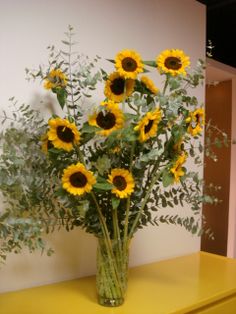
[(74, 256), (45, 102)]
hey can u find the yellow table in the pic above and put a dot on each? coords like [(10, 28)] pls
[(197, 283)]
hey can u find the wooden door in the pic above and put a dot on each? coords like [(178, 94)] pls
[(219, 109)]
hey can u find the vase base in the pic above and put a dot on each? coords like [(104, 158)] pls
[(110, 302)]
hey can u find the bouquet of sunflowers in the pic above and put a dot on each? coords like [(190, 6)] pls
[(107, 169)]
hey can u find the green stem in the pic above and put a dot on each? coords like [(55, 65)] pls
[(128, 202), (107, 239), (117, 237), (103, 222), (116, 225), (106, 289), (103, 225), (123, 100), (131, 156), (166, 84), (126, 224), (108, 244), (115, 233), (135, 223), (70, 73)]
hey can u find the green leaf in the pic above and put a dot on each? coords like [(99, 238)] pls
[(163, 201), (181, 197), (83, 208), (191, 152), (167, 178), (150, 63), (200, 147), (145, 71), (65, 42), (103, 186), (177, 132), (86, 137), (151, 155), (208, 199), (61, 96), (104, 75), (218, 142), (102, 164), (130, 116), (129, 135), (111, 60), (4, 216), (115, 202), (87, 128), (174, 83)]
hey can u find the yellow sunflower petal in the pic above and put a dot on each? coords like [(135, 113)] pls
[(117, 88), (149, 84), (148, 125), (77, 180), (55, 79), (173, 61), (196, 121), (128, 64), (123, 182), (109, 119), (63, 134), (177, 169)]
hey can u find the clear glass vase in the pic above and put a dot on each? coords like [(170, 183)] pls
[(112, 272)]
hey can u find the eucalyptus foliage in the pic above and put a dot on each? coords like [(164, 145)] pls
[(30, 180)]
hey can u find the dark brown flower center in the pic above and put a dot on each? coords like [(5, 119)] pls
[(148, 127), (120, 183), (106, 120), (129, 64), (78, 180), (173, 63), (118, 86), (65, 134)]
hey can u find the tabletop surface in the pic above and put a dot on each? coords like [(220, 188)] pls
[(177, 285)]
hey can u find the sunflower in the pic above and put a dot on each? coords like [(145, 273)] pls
[(195, 121), (77, 180), (45, 143), (63, 134), (128, 63), (55, 79), (149, 85), (172, 61), (111, 118), (117, 88), (148, 125), (123, 182), (177, 169)]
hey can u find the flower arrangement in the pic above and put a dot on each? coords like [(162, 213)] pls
[(107, 169)]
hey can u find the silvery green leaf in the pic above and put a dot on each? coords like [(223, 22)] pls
[(151, 155), (103, 164)]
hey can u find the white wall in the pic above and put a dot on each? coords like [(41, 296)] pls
[(103, 27)]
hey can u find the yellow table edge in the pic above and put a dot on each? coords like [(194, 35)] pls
[(194, 308)]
